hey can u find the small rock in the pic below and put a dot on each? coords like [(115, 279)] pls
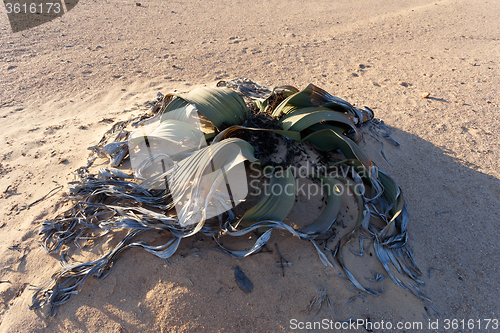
[(405, 84), (107, 120), (425, 95), (241, 279), (138, 4)]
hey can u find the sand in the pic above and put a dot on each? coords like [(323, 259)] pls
[(61, 79)]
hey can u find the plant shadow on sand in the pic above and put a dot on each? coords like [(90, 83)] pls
[(453, 213)]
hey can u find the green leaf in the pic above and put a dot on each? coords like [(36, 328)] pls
[(358, 196), (277, 202), (330, 213), (392, 194), (286, 91), (312, 96), (222, 106), (210, 158), (319, 127), (306, 117), (328, 140), (225, 133)]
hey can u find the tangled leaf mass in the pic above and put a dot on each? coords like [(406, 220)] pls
[(112, 203)]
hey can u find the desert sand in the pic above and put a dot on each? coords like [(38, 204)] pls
[(101, 59)]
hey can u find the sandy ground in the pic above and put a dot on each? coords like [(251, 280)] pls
[(59, 80)]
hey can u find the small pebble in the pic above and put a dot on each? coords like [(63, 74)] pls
[(425, 95)]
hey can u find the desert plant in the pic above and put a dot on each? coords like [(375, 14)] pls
[(327, 124)]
